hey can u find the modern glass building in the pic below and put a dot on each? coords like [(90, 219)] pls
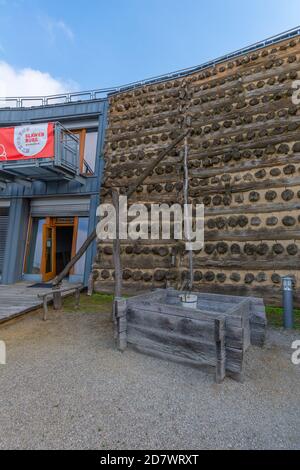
[(48, 205)]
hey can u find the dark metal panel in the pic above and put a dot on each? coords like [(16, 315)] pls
[(16, 241), (63, 164), (39, 188), (20, 195), (95, 199), (62, 112), (60, 207), (4, 213)]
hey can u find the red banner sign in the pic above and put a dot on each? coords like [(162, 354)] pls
[(26, 142)]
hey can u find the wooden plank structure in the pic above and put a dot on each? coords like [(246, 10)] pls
[(243, 165), (57, 292), (21, 298), (216, 334)]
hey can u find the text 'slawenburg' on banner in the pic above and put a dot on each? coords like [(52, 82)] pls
[(26, 142)]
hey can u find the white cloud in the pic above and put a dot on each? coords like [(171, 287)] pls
[(53, 27), (30, 82), (65, 29)]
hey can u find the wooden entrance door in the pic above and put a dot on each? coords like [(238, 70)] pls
[(49, 245), (48, 267)]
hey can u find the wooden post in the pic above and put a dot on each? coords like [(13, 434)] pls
[(90, 285), (57, 299), (116, 247), (187, 221), (220, 349), (120, 311), (77, 297), (45, 307)]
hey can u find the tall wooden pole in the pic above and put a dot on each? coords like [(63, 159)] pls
[(116, 246), (187, 221), (130, 191)]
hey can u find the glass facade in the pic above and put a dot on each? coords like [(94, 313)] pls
[(81, 237), (35, 247), (29, 257), (90, 150), (56, 238)]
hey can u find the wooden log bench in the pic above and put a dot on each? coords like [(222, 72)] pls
[(215, 334), (61, 292)]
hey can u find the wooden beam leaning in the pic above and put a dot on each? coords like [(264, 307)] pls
[(75, 258), (155, 162), (58, 279)]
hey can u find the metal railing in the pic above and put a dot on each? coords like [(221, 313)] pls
[(66, 149), (64, 163), (37, 101)]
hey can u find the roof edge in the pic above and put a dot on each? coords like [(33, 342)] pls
[(18, 102)]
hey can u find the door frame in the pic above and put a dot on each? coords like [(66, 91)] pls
[(53, 223), (81, 134), (48, 225)]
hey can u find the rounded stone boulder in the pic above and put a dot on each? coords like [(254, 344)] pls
[(278, 249), (249, 278), (289, 221), (221, 277)]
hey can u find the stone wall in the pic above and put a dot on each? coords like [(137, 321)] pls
[(244, 165)]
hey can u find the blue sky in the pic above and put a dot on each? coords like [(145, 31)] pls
[(52, 46)]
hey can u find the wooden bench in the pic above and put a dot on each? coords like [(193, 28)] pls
[(49, 296)]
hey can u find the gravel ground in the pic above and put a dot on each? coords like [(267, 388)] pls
[(66, 387)]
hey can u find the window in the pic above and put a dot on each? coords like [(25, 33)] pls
[(82, 234), (87, 149), (52, 242), (35, 247), (90, 150)]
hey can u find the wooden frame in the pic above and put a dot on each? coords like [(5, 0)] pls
[(46, 276), (51, 223), (27, 246), (74, 241), (217, 333), (81, 133), (73, 224)]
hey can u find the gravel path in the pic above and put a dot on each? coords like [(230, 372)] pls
[(66, 387)]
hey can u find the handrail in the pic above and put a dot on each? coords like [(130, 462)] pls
[(67, 147), (102, 93), (67, 131), (88, 168)]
